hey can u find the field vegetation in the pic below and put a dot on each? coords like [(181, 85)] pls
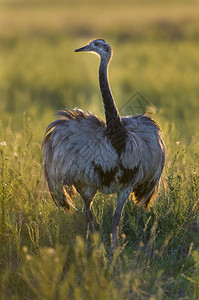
[(43, 251)]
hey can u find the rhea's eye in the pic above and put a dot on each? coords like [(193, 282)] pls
[(96, 43), (106, 48)]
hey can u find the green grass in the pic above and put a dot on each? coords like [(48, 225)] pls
[(43, 251)]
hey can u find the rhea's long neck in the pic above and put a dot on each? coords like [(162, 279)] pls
[(115, 129)]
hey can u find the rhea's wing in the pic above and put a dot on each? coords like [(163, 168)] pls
[(144, 152), (75, 146)]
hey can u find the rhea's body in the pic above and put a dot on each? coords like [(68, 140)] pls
[(78, 153), (121, 155)]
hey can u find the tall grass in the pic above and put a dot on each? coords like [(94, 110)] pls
[(44, 252)]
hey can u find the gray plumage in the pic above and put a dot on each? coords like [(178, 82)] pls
[(83, 153)]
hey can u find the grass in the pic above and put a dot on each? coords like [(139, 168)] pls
[(43, 253)]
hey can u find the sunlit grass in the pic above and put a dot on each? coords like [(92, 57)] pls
[(43, 250)]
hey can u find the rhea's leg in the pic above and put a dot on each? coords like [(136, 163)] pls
[(90, 226), (88, 216), (121, 199), (87, 193)]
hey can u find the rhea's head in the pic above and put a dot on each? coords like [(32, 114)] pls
[(100, 47)]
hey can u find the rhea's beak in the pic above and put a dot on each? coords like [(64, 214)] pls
[(85, 48)]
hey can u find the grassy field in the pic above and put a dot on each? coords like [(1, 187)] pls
[(43, 253)]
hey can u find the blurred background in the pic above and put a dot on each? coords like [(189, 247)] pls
[(155, 46)]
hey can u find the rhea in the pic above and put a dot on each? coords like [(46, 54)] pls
[(83, 153)]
